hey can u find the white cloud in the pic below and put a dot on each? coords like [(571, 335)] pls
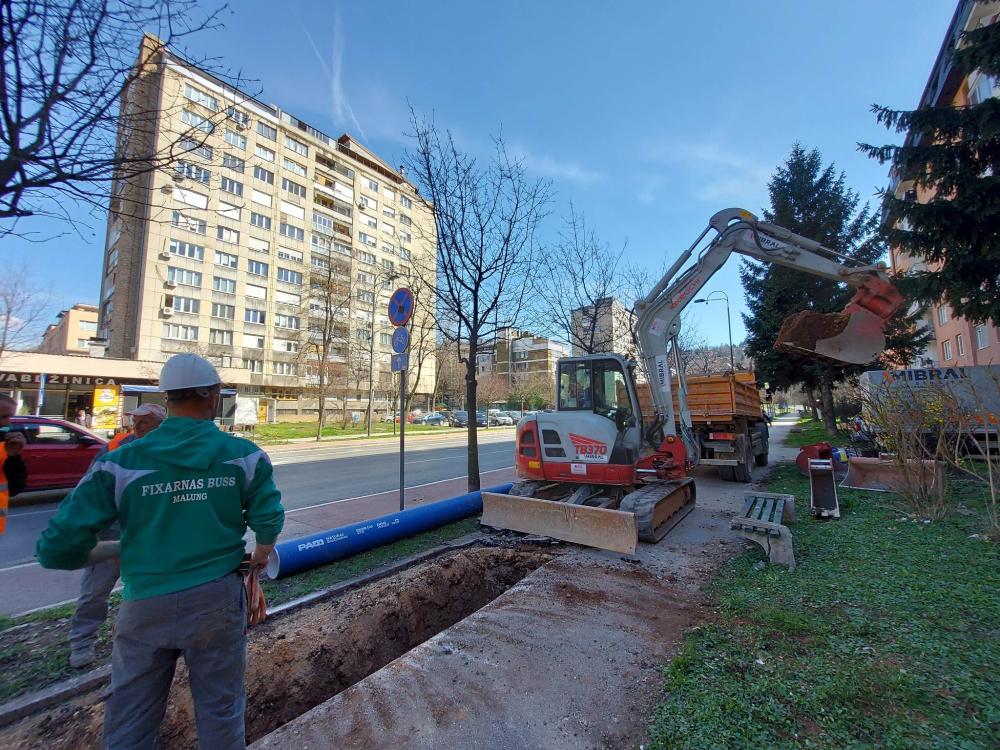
[(544, 165), (343, 113), (648, 187)]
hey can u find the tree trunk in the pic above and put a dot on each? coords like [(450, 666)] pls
[(470, 397), (321, 407), (811, 395), (826, 394)]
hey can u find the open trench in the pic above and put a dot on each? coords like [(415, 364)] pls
[(301, 659)]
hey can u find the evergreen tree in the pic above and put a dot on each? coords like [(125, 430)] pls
[(954, 154), (814, 201)]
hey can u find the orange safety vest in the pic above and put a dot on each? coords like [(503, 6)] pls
[(4, 491), (116, 441)]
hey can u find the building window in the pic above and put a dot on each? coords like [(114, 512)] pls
[(342, 249), (368, 202), (388, 228), (283, 368), (367, 239), (251, 341), (385, 339), (295, 233), (235, 139), (190, 146), (196, 121), (289, 276), (389, 211), (230, 210), (230, 185), (253, 365), (388, 193), (287, 321), (388, 265), (263, 175), (404, 236), (405, 202), (200, 97), (318, 261), (960, 344), (267, 131), (982, 340), (188, 222), (287, 298), (287, 254), (293, 188), (293, 166), (257, 268), (368, 297), (259, 220), (225, 312), (369, 221), (180, 332), (297, 146), (942, 315), (259, 246), (366, 257), (225, 234), (258, 317), (322, 222), (193, 171), (286, 345), (184, 277), (405, 220), (946, 350), (366, 278), (405, 254), (218, 336), (256, 291), (186, 305), (226, 286), (234, 163), (371, 185), (238, 116), (187, 249), (225, 259), (262, 198), (264, 153)]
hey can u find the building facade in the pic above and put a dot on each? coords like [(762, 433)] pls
[(605, 326), (515, 354), (956, 341), (232, 250), (72, 332)]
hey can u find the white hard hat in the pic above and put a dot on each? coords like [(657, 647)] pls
[(154, 410), (187, 370)]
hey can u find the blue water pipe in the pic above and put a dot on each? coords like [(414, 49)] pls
[(295, 555)]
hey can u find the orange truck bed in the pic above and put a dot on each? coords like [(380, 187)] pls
[(713, 398)]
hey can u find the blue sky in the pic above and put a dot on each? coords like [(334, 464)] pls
[(648, 116)]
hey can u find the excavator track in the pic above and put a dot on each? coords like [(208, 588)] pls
[(659, 506)]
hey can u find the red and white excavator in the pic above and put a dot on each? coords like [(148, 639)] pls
[(597, 471)]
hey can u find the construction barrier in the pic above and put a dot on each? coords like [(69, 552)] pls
[(296, 555)]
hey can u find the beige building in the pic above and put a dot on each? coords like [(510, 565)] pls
[(605, 326), (225, 251), (517, 354), (72, 331)]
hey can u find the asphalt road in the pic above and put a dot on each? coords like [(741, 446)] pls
[(307, 475)]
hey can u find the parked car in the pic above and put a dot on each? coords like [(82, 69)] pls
[(502, 418), (459, 419), (515, 415), (58, 453), (432, 419), (395, 418), (481, 419)]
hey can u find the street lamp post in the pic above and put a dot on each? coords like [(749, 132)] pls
[(387, 276), (729, 323)]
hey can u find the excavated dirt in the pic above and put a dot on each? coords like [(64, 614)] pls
[(803, 329), (299, 660)]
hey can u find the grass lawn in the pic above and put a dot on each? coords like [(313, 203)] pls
[(272, 433), (37, 654), (812, 431), (887, 635)]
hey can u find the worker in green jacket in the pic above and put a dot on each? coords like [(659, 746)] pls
[(184, 496)]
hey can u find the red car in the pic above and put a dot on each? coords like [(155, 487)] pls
[(58, 452)]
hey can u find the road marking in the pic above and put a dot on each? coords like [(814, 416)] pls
[(18, 567)]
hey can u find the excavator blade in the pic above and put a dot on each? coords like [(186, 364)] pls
[(851, 338), (886, 475), (613, 530)]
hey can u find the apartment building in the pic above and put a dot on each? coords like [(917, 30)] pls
[(956, 340), (72, 331), (605, 326), (515, 354), (226, 251)]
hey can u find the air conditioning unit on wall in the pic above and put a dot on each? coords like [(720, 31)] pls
[(167, 312)]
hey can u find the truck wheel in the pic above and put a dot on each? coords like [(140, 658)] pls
[(743, 472), (726, 474), (761, 459)]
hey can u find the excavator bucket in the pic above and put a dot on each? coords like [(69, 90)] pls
[(852, 338), (884, 474), (613, 530)]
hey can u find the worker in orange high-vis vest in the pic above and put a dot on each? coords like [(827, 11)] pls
[(13, 472)]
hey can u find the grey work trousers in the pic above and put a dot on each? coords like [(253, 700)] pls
[(92, 605), (207, 626)]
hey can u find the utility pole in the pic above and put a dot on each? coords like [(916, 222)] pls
[(729, 324)]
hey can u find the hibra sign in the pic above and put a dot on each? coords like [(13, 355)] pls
[(27, 378)]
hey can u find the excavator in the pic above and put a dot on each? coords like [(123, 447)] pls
[(597, 471)]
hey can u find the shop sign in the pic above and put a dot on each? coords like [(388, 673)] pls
[(105, 410), (26, 378)]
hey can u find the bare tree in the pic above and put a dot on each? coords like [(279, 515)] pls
[(492, 389), (329, 329), (533, 390), (423, 333), (69, 72), (485, 217), (22, 309), (449, 382)]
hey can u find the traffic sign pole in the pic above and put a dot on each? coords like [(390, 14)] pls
[(402, 436), (401, 305)]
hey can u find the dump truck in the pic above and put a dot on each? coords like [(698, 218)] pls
[(727, 421), (605, 471)]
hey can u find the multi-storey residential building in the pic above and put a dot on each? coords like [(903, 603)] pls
[(956, 341), (72, 331), (517, 354), (227, 251), (605, 326)]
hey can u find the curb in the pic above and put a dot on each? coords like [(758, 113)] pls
[(60, 692)]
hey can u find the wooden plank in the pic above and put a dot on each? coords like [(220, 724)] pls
[(580, 524), (778, 512), (765, 513)]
